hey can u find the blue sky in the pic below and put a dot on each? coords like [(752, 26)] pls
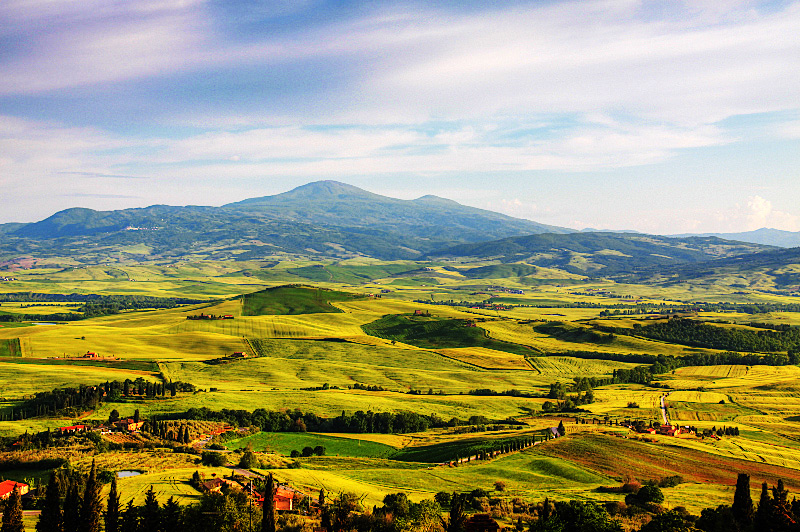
[(664, 117)]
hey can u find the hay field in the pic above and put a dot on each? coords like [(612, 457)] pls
[(487, 358)]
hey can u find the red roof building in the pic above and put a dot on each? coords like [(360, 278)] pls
[(72, 429), (7, 487)]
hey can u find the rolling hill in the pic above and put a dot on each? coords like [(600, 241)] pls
[(775, 269), (600, 253)]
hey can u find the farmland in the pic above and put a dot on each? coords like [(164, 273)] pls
[(371, 338)]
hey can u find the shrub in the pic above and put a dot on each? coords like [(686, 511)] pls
[(214, 459), (443, 498), (248, 460), (500, 485)]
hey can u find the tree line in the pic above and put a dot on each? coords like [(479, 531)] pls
[(696, 333), (359, 422), (94, 305), (71, 400)]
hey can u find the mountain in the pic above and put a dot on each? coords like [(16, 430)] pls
[(428, 217), (325, 219), (769, 237), (600, 253)]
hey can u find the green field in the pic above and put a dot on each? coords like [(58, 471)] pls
[(285, 443), (293, 299), (10, 348), (438, 333)]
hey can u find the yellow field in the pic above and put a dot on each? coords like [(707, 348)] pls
[(487, 358)]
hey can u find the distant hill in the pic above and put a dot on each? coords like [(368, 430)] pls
[(600, 253), (774, 269), (769, 237), (325, 219)]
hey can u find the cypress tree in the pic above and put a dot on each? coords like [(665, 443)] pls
[(92, 506), (561, 429), (51, 520), (112, 510), (72, 507), (130, 518), (12, 515), (457, 518), (764, 514), (742, 507), (151, 512), (268, 522), (172, 513)]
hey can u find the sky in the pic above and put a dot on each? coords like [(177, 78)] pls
[(658, 116)]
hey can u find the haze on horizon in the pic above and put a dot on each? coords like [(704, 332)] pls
[(614, 114)]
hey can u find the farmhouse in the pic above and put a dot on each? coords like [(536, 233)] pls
[(129, 424), (239, 354), (7, 487), (90, 354), (669, 430), (284, 498)]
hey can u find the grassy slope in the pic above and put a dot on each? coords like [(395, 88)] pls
[(438, 333), (292, 300)]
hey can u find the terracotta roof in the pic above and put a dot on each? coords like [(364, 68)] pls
[(7, 486)]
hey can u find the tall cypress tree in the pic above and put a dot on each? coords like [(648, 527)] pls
[(268, 522), (765, 513), (72, 507), (112, 509), (742, 508), (51, 519), (151, 512), (12, 515), (92, 507), (172, 514), (130, 518)]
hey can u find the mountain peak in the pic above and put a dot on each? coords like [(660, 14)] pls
[(326, 188), (435, 200)]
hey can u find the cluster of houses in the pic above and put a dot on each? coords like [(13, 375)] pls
[(7, 279), (286, 498), (665, 430), (496, 288), (203, 316), (126, 425)]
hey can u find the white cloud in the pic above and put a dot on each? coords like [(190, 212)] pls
[(762, 214)]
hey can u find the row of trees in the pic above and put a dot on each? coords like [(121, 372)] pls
[(697, 333), (359, 422), (70, 400)]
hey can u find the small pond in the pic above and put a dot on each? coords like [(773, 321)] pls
[(128, 473)]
